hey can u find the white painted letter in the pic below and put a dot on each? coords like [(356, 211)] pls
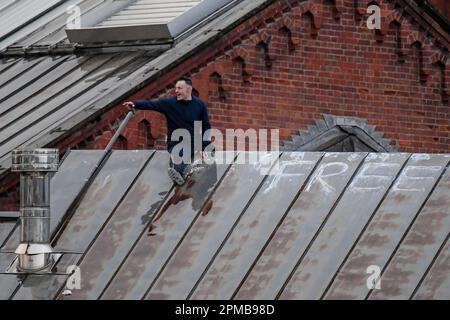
[(74, 19), (374, 281), (74, 280), (374, 21)]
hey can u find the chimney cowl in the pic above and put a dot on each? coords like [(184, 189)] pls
[(35, 167)]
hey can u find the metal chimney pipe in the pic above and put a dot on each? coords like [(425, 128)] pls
[(35, 166)]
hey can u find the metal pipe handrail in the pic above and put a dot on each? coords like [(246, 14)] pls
[(119, 130)]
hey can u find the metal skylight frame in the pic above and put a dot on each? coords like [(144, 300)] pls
[(160, 31)]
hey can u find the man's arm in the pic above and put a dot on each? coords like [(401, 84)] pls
[(159, 105)]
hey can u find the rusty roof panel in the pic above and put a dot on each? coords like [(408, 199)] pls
[(77, 168), (351, 211), (101, 199), (306, 230), (8, 282), (297, 230), (315, 265), (46, 286), (388, 225), (436, 284), (123, 230), (419, 247), (256, 226), (106, 191), (40, 287), (208, 233), (168, 228)]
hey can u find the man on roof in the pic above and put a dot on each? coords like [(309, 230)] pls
[(186, 113)]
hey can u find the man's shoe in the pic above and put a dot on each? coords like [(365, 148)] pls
[(176, 176), (188, 171)]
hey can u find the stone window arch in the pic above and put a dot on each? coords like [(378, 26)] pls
[(340, 134)]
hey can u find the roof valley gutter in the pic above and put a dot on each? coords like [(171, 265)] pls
[(48, 50)]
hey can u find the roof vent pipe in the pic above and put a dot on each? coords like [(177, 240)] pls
[(35, 166)]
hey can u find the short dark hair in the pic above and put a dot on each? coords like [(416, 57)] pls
[(187, 80)]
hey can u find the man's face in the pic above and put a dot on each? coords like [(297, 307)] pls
[(183, 91)]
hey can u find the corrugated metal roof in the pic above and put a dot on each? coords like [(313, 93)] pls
[(44, 96), (39, 27), (17, 13), (37, 94), (307, 230)]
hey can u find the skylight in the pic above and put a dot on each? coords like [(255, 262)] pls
[(148, 20)]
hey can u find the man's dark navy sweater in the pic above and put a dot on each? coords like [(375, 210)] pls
[(179, 115)]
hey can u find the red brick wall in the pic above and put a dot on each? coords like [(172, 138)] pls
[(332, 63), (295, 61), (9, 197)]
